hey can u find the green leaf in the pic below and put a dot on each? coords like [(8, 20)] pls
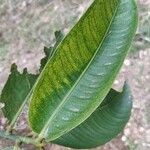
[(104, 124), (83, 68), (49, 51), (15, 92), (59, 37), (18, 87)]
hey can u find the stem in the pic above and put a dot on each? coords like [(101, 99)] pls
[(25, 140)]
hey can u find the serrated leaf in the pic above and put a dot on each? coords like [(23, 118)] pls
[(104, 124), (80, 73), (59, 37), (15, 91)]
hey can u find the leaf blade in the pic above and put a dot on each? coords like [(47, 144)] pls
[(58, 91)]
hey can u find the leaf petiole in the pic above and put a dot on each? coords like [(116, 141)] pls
[(22, 139)]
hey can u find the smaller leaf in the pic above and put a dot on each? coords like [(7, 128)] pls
[(18, 86), (49, 51), (104, 124), (15, 91), (59, 37)]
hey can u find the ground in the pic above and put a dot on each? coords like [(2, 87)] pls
[(27, 26)]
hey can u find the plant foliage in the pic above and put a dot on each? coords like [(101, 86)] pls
[(71, 102), (82, 69)]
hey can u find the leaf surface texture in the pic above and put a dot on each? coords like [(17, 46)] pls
[(83, 67), (104, 124)]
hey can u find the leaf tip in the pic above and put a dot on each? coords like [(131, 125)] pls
[(13, 67)]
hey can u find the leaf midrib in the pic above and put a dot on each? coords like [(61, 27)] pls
[(43, 131)]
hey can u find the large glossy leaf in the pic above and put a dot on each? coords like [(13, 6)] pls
[(104, 124), (18, 87), (82, 69)]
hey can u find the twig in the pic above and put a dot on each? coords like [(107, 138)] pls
[(22, 139)]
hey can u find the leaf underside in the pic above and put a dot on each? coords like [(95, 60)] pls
[(82, 69), (104, 124)]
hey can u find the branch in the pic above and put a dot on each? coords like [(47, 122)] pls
[(22, 139)]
